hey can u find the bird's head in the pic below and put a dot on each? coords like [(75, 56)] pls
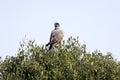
[(56, 24)]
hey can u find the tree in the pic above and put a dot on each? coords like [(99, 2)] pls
[(68, 62)]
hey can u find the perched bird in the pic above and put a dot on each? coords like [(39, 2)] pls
[(56, 36)]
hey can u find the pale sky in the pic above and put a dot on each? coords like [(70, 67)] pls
[(96, 22)]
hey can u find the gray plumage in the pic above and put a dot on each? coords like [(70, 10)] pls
[(56, 36)]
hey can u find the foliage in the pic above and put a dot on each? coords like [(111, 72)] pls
[(70, 61)]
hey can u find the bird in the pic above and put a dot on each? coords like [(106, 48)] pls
[(56, 36)]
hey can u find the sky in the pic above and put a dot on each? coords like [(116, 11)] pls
[(96, 22)]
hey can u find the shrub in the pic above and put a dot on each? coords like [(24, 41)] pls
[(68, 62)]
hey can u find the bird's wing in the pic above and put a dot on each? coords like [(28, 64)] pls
[(56, 36), (53, 36)]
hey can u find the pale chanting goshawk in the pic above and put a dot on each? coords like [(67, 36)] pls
[(56, 36)]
